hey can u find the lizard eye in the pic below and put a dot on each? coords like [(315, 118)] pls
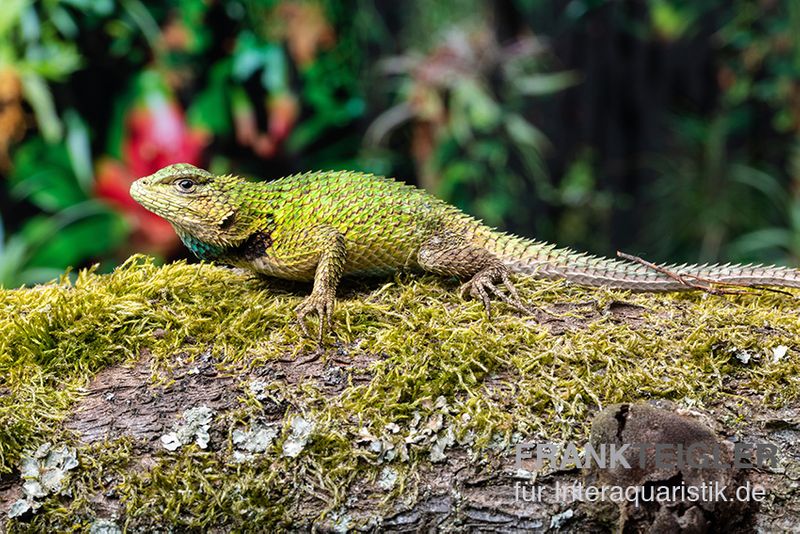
[(185, 186)]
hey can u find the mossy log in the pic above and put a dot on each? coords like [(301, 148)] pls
[(191, 401)]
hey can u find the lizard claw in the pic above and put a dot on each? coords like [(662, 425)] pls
[(321, 304), (483, 284)]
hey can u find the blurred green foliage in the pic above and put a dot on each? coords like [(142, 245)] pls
[(732, 185), (464, 100), (468, 98), (74, 226)]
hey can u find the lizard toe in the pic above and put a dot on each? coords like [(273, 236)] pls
[(322, 306), (482, 285)]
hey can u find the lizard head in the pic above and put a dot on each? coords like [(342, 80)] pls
[(199, 205)]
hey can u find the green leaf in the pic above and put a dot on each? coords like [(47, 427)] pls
[(578, 183), (72, 236), (247, 56), (10, 15), (43, 173), (754, 243), (48, 244), (309, 130), (794, 217), (456, 179), (252, 55), (494, 206), (29, 25), (669, 20), (12, 261), (41, 100), (79, 149), (768, 185), (140, 15), (545, 84), (99, 7), (62, 20), (123, 103), (492, 150), (51, 60), (525, 133), (211, 108), (275, 76), (470, 98)]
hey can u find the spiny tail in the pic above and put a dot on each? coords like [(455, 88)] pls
[(543, 260)]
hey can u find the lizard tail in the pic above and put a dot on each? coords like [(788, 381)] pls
[(544, 260)]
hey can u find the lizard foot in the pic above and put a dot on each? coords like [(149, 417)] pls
[(320, 304), (483, 284)]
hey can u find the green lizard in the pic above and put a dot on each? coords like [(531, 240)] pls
[(321, 226)]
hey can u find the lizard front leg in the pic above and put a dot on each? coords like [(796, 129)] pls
[(332, 258), (451, 256)]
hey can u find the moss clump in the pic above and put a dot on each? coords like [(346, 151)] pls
[(438, 373)]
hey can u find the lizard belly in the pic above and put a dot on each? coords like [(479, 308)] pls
[(300, 268)]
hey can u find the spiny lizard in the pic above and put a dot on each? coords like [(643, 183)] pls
[(321, 226)]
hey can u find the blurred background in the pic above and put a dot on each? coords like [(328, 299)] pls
[(668, 129)]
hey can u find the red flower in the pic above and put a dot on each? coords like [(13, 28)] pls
[(150, 232), (156, 135)]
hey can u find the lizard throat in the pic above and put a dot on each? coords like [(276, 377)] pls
[(201, 249), (252, 248)]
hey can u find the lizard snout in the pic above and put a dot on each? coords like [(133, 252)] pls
[(138, 187)]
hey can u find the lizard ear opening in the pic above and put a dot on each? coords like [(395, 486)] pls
[(228, 220)]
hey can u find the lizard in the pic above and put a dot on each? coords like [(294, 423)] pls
[(321, 226)]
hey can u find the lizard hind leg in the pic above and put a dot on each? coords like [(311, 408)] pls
[(451, 256), (332, 255)]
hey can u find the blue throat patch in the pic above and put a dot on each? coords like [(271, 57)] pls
[(201, 249)]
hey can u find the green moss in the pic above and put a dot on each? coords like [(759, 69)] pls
[(433, 357)]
